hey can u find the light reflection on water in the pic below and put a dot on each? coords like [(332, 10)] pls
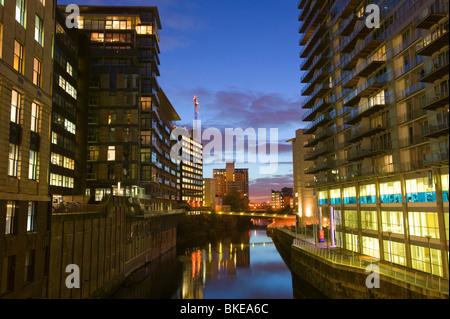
[(248, 267)]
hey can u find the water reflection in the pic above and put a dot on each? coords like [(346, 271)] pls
[(247, 266)]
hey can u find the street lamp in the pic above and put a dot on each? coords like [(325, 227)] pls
[(429, 253)]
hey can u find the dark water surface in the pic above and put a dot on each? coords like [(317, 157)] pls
[(236, 263)]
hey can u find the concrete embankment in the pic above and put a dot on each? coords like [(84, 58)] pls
[(338, 281)]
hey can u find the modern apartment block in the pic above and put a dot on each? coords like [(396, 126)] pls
[(209, 193), (26, 35), (69, 112), (231, 178), (376, 100), (129, 116), (191, 171), (282, 199)]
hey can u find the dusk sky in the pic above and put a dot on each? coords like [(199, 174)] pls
[(241, 59)]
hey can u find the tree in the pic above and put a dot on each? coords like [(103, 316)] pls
[(235, 200)]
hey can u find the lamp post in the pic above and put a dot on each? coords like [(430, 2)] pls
[(429, 253)]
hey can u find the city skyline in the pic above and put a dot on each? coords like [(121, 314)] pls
[(219, 59)]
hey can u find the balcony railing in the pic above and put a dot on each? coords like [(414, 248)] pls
[(320, 136), (320, 91), (373, 106), (436, 130), (416, 87), (413, 140), (366, 89), (437, 158), (319, 77), (361, 132), (321, 120), (434, 98), (435, 69), (434, 41), (362, 51), (430, 16), (408, 67), (373, 150), (318, 107), (415, 114), (319, 151)]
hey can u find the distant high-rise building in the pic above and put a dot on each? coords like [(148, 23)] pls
[(26, 66), (376, 99), (209, 192), (191, 171), (282, 199), (231, 178)]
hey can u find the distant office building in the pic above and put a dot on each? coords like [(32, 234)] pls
[(129, 118), (26, 64), (377, 106), (282, 199), (231, 178), (191, 171), (304, 200), (209, 192)]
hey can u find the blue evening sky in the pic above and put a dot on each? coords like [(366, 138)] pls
[(241, 59)]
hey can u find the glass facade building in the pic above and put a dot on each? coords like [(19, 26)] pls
[(376, 103)]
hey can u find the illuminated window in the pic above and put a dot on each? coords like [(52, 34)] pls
[(33, 166), (423, 224), (367, 194), (394, 252), (93, 153), (31, 217), (390, 192), (392, 222), (420, 259), (335, 196), (418, 190), (16, 99), (39, 30), (323, 198), (369, 220), (97, 37), (370, 246), (69, 68), (444, 182), (351, 242), (350, 195), (18, 57), (111, 153), (10, 218), (351, 218), (35, 111), (69, 126), (13, 162), (144, 29), (20, 12), (37, 77)]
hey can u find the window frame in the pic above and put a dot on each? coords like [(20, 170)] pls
[(18, 62)]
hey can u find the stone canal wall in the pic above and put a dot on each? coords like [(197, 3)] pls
[(107, 242), (339, 281)]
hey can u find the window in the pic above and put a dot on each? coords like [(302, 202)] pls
[(37, 77), (93, 153), (350, 195), (394, 252), (10, 227), (18, 57), (29, 266), (9, 266), (16, 99), (69, 126), (335, 196), (31, 217), (323, 198), (20, 12), (444, 182), (371, 246), (13, 162), (392, 222), (390, 192), (351, 218), (419, 191), (367, 194), (69, 68), (369, 220), (423, 224), (39, 30), (111, 153), (420, 259), (351, 241), (33, 167), (35, 117)]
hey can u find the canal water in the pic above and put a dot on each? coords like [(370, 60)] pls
[(216, 259)]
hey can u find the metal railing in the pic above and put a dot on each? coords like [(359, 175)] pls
[(354, 260)]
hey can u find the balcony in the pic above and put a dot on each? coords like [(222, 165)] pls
[(347, 7), (416, 87), (319, 92), (348, 25), (319, 151), (435, 98), (368, 88), (367, 109), (362, 51), (361, 132), (319, 46), (412, 140), (322, 181), (320, 106), (435, 41), (323, 166), (371, 64), (319, 77), (351, 80), (408, 67), (431, 15), (411, 166), (438, 129), (434, 69), (437, 158), (301, 3), (361, 31), (320, 121), (320, 136), (410, 116), (373, 150), (306, 16)]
